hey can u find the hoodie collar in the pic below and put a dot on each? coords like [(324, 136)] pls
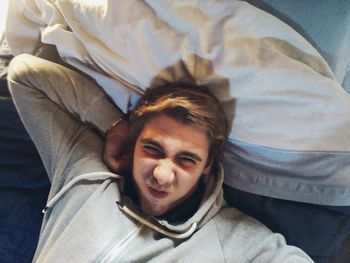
[(180, 213)]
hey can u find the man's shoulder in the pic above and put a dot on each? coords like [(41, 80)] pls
[(252, 240), (231, 219)]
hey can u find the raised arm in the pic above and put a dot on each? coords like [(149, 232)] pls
[(55, 104)]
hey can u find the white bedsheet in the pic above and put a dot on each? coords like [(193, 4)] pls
[(276, 89)]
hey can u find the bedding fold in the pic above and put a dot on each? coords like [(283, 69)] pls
[(276, 90)]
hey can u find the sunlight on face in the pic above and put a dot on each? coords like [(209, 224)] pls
[(169, 159)]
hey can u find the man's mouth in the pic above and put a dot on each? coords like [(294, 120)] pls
[(157, 193)]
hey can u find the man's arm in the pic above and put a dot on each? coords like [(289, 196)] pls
[(68, 89), (53, 101)]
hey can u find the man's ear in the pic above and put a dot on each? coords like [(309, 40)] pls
[(207, 169)]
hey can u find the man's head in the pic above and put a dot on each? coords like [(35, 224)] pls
[(177, 131)]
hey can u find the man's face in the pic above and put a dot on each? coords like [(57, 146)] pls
[(169, 159)]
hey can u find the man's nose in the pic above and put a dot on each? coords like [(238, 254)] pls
[(164, 172)]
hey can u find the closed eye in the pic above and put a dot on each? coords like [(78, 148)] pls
[(187, 161), (152, 150)]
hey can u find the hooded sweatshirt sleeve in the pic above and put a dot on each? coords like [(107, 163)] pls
[(55, 104), (71, 91), (245, 238), (273, 249)]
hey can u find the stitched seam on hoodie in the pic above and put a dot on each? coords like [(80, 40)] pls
[(218, 233)]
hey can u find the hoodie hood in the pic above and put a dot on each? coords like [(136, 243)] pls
[(211, 203)]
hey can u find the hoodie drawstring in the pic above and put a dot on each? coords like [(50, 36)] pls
[(90, 176), (134, 215)]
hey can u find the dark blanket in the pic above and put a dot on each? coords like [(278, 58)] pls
[(24, 186)]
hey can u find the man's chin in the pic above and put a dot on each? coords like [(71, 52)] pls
[(153, 210)]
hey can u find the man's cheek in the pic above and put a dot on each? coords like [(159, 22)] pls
[(145, 166)]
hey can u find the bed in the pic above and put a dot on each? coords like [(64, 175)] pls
[(167, 45)]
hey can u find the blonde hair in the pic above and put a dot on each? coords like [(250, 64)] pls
[(188, 103)]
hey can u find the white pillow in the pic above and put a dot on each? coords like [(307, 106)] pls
[(289, 117)]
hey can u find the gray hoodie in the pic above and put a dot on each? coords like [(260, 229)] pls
[(87, 218)]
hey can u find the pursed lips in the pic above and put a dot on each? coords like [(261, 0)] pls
[(152, 183), (157, 192)]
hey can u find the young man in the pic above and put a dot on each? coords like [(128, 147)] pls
[(170, 209)]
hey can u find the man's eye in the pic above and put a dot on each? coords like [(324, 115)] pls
[(152, 150), (186, 161)]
